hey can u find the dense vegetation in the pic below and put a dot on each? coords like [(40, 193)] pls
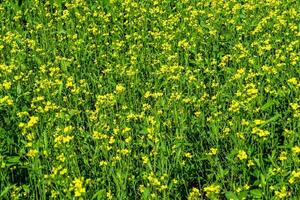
[(187, 99)]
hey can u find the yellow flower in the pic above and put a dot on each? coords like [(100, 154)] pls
[(63, 171), (212, 189), (21, 114), (61, 157), (67, 139), (294, 106), (183, 43), (295, 175), (240, 135), (238, 189), (258, 122), (283, 156), (103, 163), (6, 84), (212, 151), (250, 163), (32, 121), (188, 155), (260, 132), (282, 193), (252, 91), (141, 188), (109, 195), (246, 187), (296, 149), (293, 81), (242, 155), (194, 194), (239, 73), (32, 153), (7, 100), (153, 180), (235, 106), (120, 88), (244, 122), (145, 159), (77, 187), (68, 129)]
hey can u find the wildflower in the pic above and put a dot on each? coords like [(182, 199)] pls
[(32, 153), (153, 180), (296, 149), (141, 188), (242, 155), (163, 187), (252, 91), (294, 106), (260, 132), (288, 133), (250, 163), (226, 131), (293, 81), (103, 163), (183, 43), (240, 135), (145, 159), (68, 129), (128, 139), (194, 194), (6, 100), (283, 156), (197, 114), (238, 189), (295, 175), (212, 151), (212, 189), (6, 84), (282, 193), (54, 194), (244, 122), (21, 114), (63, 171), (111, 140), (78, 187), (188, 155), (120, 88), (258, 122), (175, 181), (61, 157), (239, 73), (32, 121), (67, 139), (246, 187)]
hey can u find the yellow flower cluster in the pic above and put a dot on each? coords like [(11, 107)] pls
[(77, 187), (194, 194), (212, 189), (242, 155)]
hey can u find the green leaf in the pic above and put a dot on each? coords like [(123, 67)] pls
[(13, 159), (272, 119), (5, 191), (231, 196), (256, 193), (146, 193), (19, 89), (267, 105), (243, 195), (99, 195)]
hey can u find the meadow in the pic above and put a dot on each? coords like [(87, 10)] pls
[(149, 99)]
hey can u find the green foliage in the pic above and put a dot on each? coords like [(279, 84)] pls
[(149, 99)]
